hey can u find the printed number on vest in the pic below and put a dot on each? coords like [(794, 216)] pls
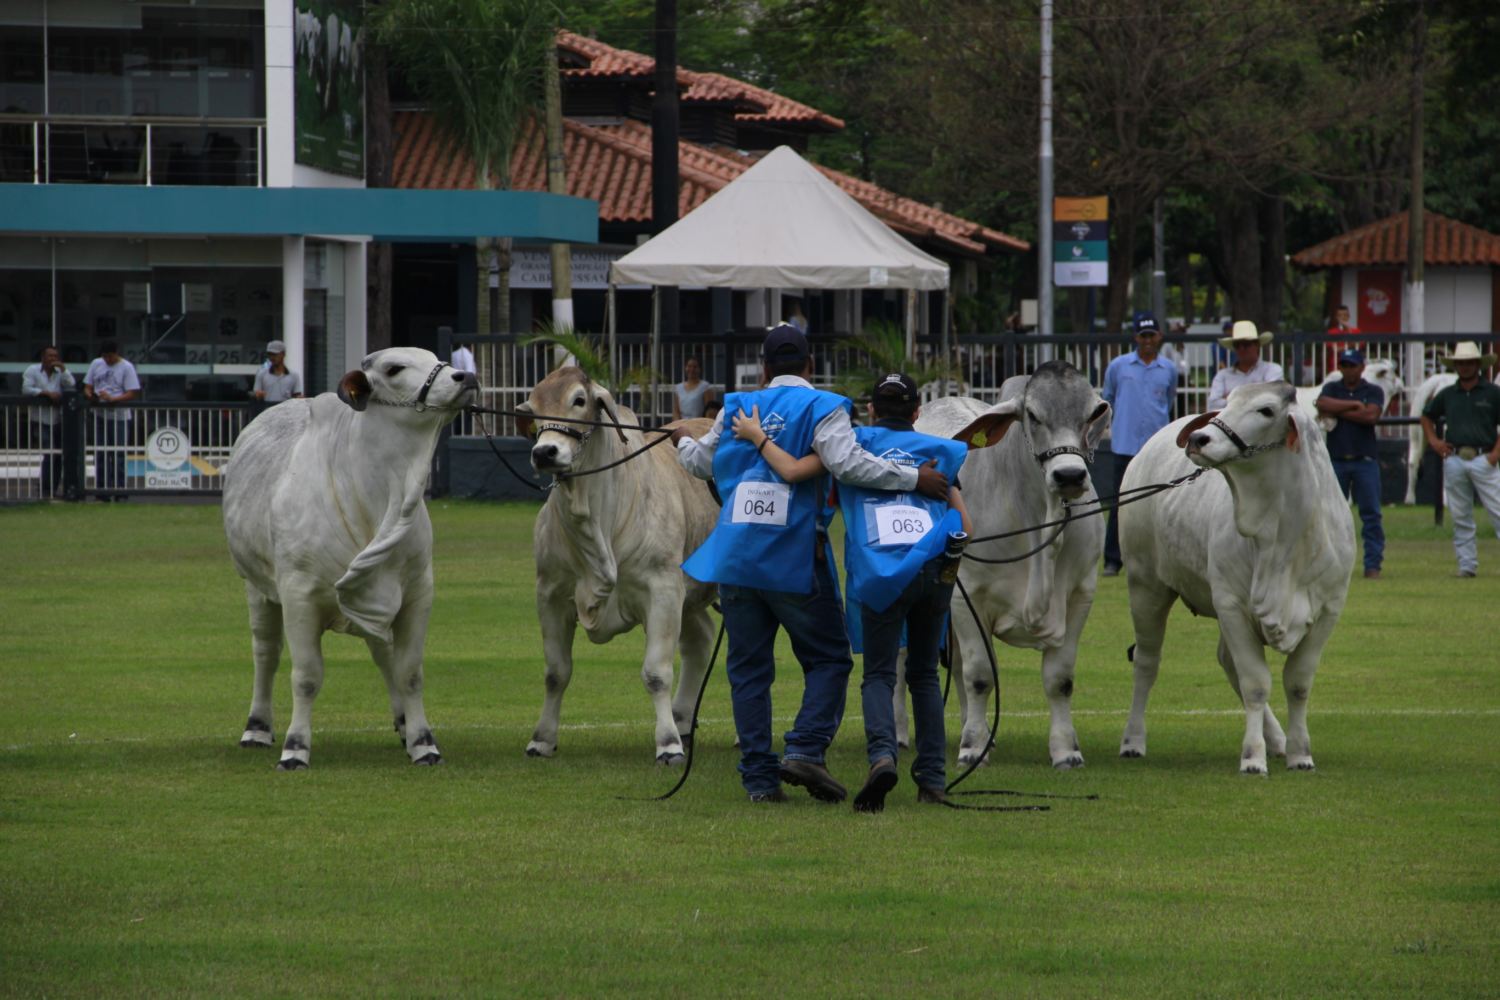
[(761, 503), (898, 524)]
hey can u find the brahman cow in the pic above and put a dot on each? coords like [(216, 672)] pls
[(1264, 543), (609, 550), (1417, 440), (324, 513), (1032, 447)]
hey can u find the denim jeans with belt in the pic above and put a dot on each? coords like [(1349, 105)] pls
[(815, 624), (1361, 477), (923, 609)]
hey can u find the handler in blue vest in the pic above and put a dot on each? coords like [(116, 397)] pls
[(893, 549), (769, 554)]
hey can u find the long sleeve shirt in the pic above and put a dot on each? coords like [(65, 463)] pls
[(35, 382), (833, 441)]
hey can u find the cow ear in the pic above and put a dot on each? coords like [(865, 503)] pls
[(1097, 425), (990, 426), (1193, 425), (524, 422), (607, 404), (354, 389), (1292, 438)]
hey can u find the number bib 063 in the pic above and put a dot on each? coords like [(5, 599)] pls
[(899, 524), (761, 503)]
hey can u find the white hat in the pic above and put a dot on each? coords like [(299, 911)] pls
[(1244, 332), (1467, 350)]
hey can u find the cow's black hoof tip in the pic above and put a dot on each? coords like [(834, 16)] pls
[(429, 760), (291, 764)]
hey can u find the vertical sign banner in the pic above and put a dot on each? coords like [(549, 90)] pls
[(1080, 242), (329, 43), (1379, 301)]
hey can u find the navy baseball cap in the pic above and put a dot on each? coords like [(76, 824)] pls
[(784, 342), (1351, 356), (1145, 323), (898, 386)]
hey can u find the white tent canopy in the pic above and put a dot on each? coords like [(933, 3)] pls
[(781, 224)]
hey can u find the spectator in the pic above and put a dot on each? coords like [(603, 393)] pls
[(1470, 446), (277, 383), (1339, 328), (111, 382), (691, 396), (47, 379), (1247, 369), (1357, 405), (1223, 356), (1141, 387)]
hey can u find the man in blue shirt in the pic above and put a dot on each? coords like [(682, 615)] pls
[(1140, 386), (1357, 404)]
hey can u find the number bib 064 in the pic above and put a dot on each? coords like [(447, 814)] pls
[(761, 503), (899, 524)]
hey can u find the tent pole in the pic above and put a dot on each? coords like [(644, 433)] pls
[(655, 343), (946, 346), (610, 322), (911, 323)]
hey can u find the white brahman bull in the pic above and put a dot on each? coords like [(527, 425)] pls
[(1416, 442), (609, 550), (1029, 462), (1379, 372), (1266, 546), (324, 513)]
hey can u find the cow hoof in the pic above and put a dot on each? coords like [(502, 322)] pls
[(291, 764), (968, 758), (535, 749), (1253, 769), (669, 759), (1300, 764), (429, 759), (1132, 753), (1069, 763), (261, 741), (903, 744)]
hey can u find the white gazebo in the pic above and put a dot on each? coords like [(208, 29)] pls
[(780, 224)]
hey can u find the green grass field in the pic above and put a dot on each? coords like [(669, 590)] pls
[(142, 852)]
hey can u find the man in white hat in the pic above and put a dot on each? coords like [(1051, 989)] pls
[(1245, 341), (1470, 446)]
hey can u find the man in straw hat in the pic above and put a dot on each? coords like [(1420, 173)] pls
[(1470, 446), (1245, 341)]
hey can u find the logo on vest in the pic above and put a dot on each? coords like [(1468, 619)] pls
[(773, 424), (900, 456)]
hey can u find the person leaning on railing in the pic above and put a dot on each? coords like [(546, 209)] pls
[(110, 383), (48, 379)]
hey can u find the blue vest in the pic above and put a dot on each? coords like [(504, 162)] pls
[(767, 527), (889, 537)]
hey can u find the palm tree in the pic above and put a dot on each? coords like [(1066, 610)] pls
[(479, 66), (883, 347)]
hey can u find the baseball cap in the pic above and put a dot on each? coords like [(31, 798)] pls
[(784, 342), (1351, 356), (1145, 323), (276, 347), (898, 386)]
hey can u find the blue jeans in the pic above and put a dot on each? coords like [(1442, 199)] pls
[(815, 624), (1112, 530), (922, 608), (1361, 477)]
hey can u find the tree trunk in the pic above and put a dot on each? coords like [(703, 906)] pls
[(502, 295), (379, 152), (1272, 213), (1078, 311), (1185, 282), (1241, 250), (1123, 220)]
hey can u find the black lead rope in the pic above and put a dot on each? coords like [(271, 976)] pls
[(666, 435), (692, 736)]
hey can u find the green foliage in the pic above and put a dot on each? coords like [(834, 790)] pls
[(477, 64), (882, 349), (591, 353), (145, 854)]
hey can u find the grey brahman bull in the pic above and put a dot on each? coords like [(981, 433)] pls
[(1265, 545), (1030, 461), (609, 550), (324, 513)]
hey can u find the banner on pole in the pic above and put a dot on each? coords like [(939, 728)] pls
[(1080, 242)]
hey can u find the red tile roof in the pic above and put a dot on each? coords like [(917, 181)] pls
[(612, 165), (1445, 242), (758, 104)]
